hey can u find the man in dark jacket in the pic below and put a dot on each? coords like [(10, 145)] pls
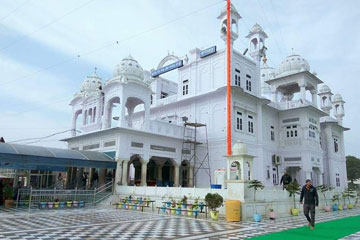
[(309, 193), (285, 180)]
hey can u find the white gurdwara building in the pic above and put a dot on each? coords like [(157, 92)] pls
[(287, 120)]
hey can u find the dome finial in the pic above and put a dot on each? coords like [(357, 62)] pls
[(292, 51), (95, 68)]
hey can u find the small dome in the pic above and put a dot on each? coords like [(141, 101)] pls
[(337, 98), (325, 89), (239, 148), (91, 83), (129, 68), (293, 64)]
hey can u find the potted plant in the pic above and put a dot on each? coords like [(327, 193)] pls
[(68, 203), (8, 196), (168, 203), (214, 201), (56, 203), (173, 207), (195, 210), (163, 208), (256, 184), (272, 214), (293, 188), (323, 189), (344, 196), (335, 200), (349, 193), (201, 205), (184, 202)]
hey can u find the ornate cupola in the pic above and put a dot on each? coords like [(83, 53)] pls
[(338, 105), (235, 17), (325, 95), (257, 37)]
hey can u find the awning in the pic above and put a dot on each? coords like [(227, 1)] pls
[(18, 156)]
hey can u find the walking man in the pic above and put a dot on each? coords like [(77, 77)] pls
[(285, 180), (311, 199)]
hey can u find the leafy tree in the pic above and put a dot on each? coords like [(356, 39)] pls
[(293, 188), (352, 168)]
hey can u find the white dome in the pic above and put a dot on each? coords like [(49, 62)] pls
[(91, 83), (239, 148), (129, 68), (337, 98), (293, 64), (325, 89)]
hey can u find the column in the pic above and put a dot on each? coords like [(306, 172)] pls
[(320, 177), (73, 126), (147, 116), (176, 175), (91, 176), (314, 97), (106, 115), (118, 172), (125, 173), (159, 173), (307, 175), (122, 122), (73, 177), (102, 176), (79, 174), (274, 94), (191, 176), (302, 93), (143, 172), (130, 113)]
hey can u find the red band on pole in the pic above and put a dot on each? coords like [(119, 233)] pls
[(228, 87)]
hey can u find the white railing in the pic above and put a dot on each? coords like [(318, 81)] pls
[(167, 129), (167, 100)]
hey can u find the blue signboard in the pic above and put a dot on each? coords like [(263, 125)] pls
[(167, 68), (208, 52)]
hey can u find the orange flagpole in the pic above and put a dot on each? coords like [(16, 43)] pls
[(228, 87)]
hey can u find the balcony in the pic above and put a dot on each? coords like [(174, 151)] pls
[(167, 129), (292, 104), (167, 100)]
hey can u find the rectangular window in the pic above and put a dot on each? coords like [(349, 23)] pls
[(137, 144), (248, 82), (291, 131), (272, 133), (92, 146), (239, 121), (162, 148), (109, 144), (185, 87), (237, 78), (250, 124), (151, 99), (336, 145), (337, 179)]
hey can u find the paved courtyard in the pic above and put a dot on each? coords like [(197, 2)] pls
[(110, 223)]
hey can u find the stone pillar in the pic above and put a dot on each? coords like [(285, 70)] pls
[(107, 108), (274, 94), (176, 175), (122, 122), (159, 172), (79, 174), (320, 177), (102, 176), (147, 117), (143, 172), (73, 126), (73, 177), (118, 172), (130, 114), (307, 175), (125, 173), (90, 177), (303, 93), (191, 176), (314, 97)]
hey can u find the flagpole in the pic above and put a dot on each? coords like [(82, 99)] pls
[(228, 87)]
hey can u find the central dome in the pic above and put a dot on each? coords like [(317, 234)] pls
[(129, 68), (293, 64)]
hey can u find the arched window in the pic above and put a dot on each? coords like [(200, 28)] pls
[(94, 115)]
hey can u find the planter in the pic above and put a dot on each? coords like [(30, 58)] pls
[(81, 204), (75, 203), (183, 212), (189, 212), (272, 215), (50, 204), (184, 205), (168, 204), (68, 203), (42, 204), (327, 208), (56, 204), (178, 211), (190, 206), (294, 211), (9, 203), (195, 213), (345, 207), (340, 207), (168, 211), (334, 207), (214, 215), (257, 217), (162, 209), (62, 204), (350, 206), (173, 211), (134, 207)]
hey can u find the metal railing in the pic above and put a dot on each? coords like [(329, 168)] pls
[(32, 198)]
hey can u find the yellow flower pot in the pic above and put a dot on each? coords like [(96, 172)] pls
[(350, 206), (294, 211), (340, 207), (214, 215)]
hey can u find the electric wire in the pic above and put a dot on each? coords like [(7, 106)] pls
[(14, 10)]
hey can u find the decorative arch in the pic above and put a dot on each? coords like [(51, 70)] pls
[(235, 175), (167, 59)]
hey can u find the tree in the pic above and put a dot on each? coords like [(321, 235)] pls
[(352, 168)]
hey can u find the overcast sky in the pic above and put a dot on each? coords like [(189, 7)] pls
[(47, 48)]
